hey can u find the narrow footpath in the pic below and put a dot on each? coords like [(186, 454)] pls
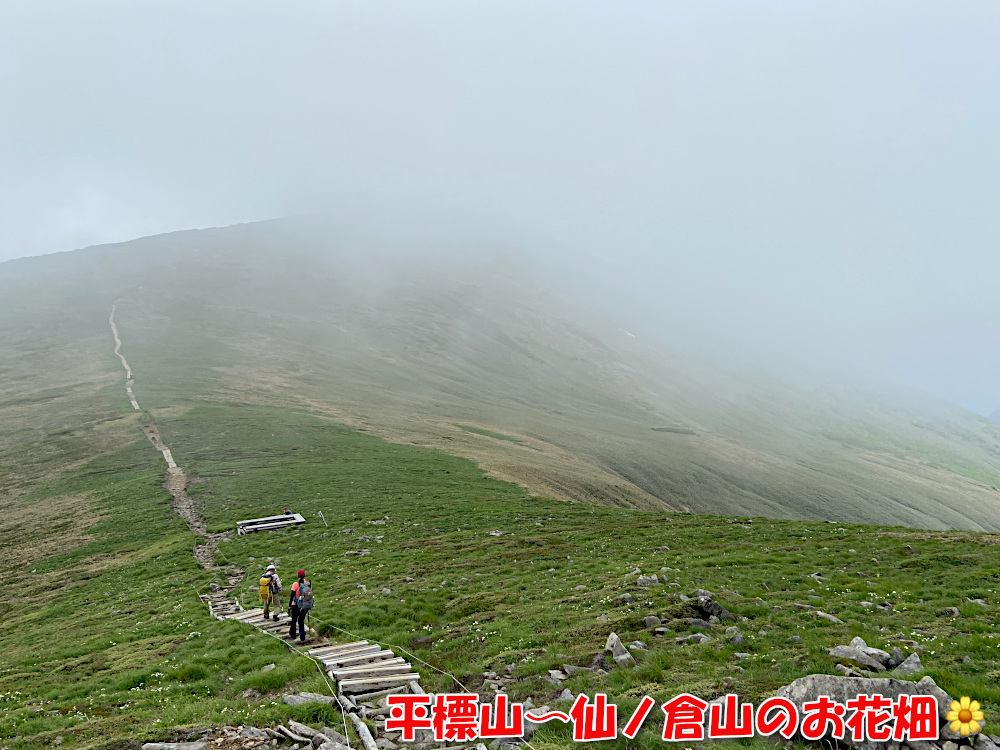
[(176, 482)]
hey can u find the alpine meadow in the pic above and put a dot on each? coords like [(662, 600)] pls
[(494, 476)]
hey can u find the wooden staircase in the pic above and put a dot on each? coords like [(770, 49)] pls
[(362, 670)]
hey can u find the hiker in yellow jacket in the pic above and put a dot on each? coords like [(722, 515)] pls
[(270, 588)]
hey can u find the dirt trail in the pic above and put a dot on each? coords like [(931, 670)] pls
[(176, 481)]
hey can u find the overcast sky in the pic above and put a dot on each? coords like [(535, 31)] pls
[(821, 172)]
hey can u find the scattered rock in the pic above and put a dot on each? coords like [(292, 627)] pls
[(795, 639), (857, 656), (268, 667), (847, 671), (741, 656), (357, 553), (827, 616), (334, 735), (581, 587), (253, 733), (618, 651), (496, 533), (910, 666), (383, 744), (949, 612), (710, 607), (651, 621), (737, 639), (637, 646), (602, 618), (648, 580), (301, 729), (627, 598), (693, 638), (661, 631), (896, 658), (867, 605), (842, 689)]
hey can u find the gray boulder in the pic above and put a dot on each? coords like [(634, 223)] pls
[(618, 651), (856, 655), (651, 621), (710, 607), (911, 665), (334, 736), (828, 616), (841, 689), (301, 729), (648, 580), (882, 657)]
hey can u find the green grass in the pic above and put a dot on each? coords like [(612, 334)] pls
[(118, 645)]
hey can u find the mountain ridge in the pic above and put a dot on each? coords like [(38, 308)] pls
[(407, 344)]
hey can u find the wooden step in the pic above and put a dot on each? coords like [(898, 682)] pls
[(378, 669), (325, 650), (367, 684), (340, 655), (248, 614), (348, 653), (358, 660)]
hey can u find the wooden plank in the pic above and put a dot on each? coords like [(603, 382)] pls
[(379, 669), (364, 733), (247, 615), (357, 660), (375, 683), (349, 653), (286, 518), (323, 650), (359, 651)]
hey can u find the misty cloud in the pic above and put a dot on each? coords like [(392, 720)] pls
[(804, 176)]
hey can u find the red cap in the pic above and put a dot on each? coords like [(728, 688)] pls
[(301, 573)]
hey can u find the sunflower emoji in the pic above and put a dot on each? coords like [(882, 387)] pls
[(965, 716)]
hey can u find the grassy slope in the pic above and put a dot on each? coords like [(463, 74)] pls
[(417, 353), (91, 667), (83, 507)]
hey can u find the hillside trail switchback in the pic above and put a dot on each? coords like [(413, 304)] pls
[(176, 482)]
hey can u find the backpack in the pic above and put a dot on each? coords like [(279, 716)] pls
[(304, 600), (266, 585)]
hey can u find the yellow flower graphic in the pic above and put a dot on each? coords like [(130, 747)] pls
[(965, 717)]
